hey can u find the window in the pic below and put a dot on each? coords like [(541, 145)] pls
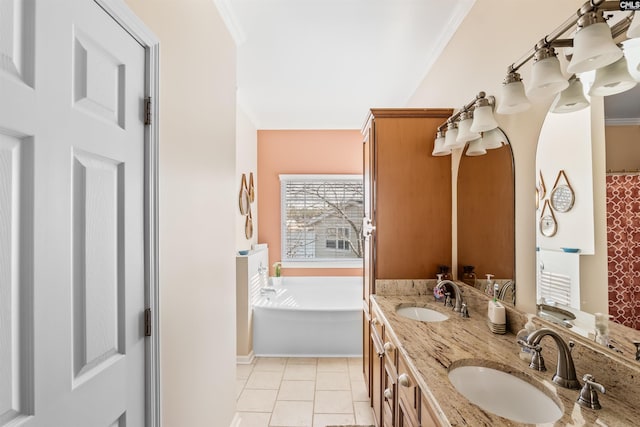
[(321, 218), (338, 238)]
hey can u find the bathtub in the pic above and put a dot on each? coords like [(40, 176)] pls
[(310, 317)]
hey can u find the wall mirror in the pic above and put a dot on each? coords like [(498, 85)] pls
[(605, 189), (486, 218)]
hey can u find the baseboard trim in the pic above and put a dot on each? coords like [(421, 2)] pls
[(245, 360)]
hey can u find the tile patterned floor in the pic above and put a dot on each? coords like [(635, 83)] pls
[(302, 392)]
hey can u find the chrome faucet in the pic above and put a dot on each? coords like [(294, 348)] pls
[(460, 306), (503, 291), (565, 375), (588, 396)]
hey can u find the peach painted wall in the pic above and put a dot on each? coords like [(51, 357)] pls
[(300, 152)]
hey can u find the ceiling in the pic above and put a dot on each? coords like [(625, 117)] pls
[(321, 64)]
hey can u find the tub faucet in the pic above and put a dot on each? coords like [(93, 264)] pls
[(565, 375), (457, 294), (268, 290)]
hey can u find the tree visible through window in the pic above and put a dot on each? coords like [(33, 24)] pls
[(321, 217)]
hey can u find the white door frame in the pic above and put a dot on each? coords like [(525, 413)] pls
[(121, 13)]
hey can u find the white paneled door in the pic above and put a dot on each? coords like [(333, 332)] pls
[(72, 273)]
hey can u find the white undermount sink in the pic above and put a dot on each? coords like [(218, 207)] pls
[(505, 394), (422, 314)]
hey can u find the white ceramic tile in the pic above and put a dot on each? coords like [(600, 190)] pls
[(300, 372), (355, 363), (333, 402), (333, 364), (254, 419), (359, 392), (355, 368), (269, 380), (239, 387), (243, 371), (290, 414), (275, 364), (363, 412), (297, 390), (302, 361), (323, 420), (332, 381), (256, 400)]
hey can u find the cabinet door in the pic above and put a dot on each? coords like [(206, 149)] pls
[(389, 394), (366, 349), (412, 192), (427, 417), (368, 221), (408, 395), (377, 373)]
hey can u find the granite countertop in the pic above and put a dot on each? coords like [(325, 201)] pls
[(431, 348)]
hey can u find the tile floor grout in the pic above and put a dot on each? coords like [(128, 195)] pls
[(305, 392)]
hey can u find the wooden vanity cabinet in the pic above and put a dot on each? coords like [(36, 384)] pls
[(407, 195), (395, 395), (408, 397), (377, 371), (407, 199), (427, 417)]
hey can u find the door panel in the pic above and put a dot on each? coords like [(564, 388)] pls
[(16, 308), (17, 32), (72, 349), (98, 285)]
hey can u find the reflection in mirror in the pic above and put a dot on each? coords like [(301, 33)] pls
[(621, 146), (564, 155), (622, 133), (485, 204)]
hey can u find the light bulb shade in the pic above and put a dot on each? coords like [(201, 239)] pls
[(494, 139), (513, 99), (475, 148), (634, 29), (464, 131), (612, 79), (546, 78), (571, 99), (593, 48), (631, 49), (450, 139), (483, 119), (439, 148)]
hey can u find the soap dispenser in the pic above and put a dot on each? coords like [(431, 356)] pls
[(488, 289), (523, 334)]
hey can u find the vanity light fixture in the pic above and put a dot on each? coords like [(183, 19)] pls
[(451, 137), (593, 50), (493, 139), (612, 79), (572, 98), (464, 128), (546, 76), (513, 99), (460, 126), (483, 119), (593, 45), (438, 146), (476, 148)]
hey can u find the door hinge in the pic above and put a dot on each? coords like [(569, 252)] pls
[(147, 322), (147, 111)]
